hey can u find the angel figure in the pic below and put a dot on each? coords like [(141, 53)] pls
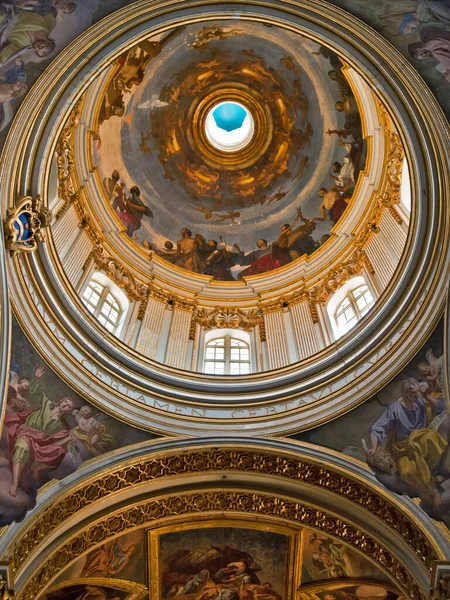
[(91, 431), (433, 371)]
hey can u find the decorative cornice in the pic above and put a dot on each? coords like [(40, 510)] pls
[(197, 461), (171, 299), (25, 223), (223, 318), (134, 289)]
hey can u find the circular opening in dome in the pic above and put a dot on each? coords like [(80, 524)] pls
[(229, 126)]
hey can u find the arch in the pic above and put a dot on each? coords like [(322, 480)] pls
[(282, 482)]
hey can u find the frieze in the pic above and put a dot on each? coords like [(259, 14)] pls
[(195, 503), (220, 460), (25, 224)]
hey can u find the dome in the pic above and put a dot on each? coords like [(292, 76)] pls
[(224, 367), (246, 284)]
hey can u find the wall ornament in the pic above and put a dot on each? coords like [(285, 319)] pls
[(25, 223), (121, 276), (66, 161), (226, 318), (257, 462), (257, 504)]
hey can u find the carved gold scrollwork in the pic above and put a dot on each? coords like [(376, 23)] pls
[(24, 225), (258, 462), (66, 161), (225, 318), (135, 290), (6, 593)]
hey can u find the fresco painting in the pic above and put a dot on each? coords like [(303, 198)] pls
[(211, 219), (32, 33), (223, 563), (354, 591), (325, 558), (420, 30), (403, 432), (88, 592), (49, 431), (122, 558)]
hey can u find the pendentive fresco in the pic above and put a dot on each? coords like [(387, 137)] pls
[(48, 431)]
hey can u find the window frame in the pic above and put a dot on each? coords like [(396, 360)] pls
[(106, 291), (227, 361), (352, 298)]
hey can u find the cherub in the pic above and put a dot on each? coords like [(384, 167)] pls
[(432, 371), (91, 431), (231, 214)]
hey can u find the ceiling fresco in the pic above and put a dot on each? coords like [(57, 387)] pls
[(246, 212), (234, 562)]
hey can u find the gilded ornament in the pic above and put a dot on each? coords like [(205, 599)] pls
[(66, 161), (171, 299), (25, 223), (225, 318), (195, 462), (6, 593), (217, 501), (135, 290)]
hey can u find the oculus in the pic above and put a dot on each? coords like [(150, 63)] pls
[(229, 126)]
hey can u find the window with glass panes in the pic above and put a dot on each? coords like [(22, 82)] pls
[(353, 307), (99, 300), (227, 356)]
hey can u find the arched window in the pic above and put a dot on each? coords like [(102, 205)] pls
[(353, 307), (105, 302), (227, 355), (349, 304)]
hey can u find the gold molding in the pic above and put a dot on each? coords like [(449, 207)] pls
[(65, 159), (197, 461), (121, 276), (225, 318), (252, 152), (25, 223)]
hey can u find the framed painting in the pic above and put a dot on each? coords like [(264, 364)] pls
[(223, 560)]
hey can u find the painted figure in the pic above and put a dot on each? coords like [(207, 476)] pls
[(404, 433), (28, 30), (38, 435), (91, 431)]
